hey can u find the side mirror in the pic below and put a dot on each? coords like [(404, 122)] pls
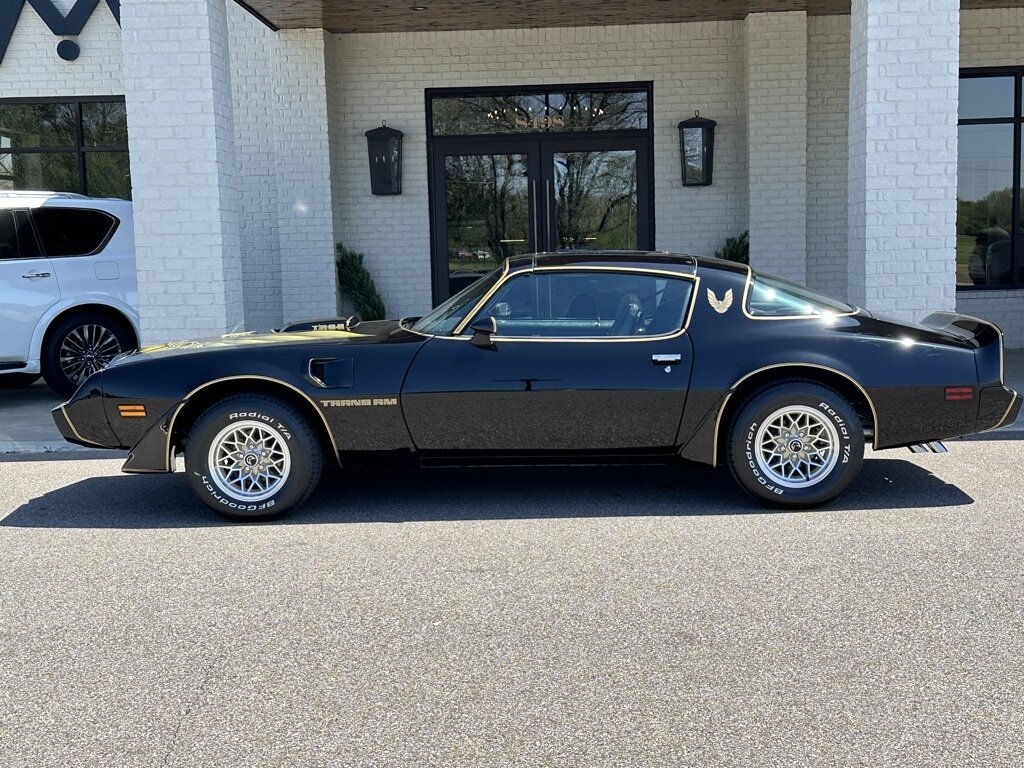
[(482, 330)]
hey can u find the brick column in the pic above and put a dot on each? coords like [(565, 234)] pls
[(904, 60), (776, 61), (178, 94), (305, 214)]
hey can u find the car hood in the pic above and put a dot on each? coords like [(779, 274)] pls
[(364, 333)]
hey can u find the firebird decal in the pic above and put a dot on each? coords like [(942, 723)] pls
[(721, 307)]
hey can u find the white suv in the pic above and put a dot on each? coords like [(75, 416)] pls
[(68, 292)]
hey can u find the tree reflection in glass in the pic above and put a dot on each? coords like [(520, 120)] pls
[(596, 199), (984, 205), (488, 210)]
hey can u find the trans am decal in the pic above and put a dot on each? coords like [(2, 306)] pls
[(360, 402)]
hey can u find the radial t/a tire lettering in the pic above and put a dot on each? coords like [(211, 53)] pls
[(252, 457), (796, 444)]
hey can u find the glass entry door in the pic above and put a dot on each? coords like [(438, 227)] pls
[(484, 211), (495, 199), (595, 194)]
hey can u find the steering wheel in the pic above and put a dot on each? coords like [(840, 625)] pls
[(629, 318)]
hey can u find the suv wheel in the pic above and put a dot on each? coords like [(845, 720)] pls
[(796, 444), (252, 457), (79, 346)]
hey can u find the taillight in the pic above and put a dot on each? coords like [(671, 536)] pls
[(955, 394)]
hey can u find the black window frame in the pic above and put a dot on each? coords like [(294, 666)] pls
[(80, 149), (1016, 120)]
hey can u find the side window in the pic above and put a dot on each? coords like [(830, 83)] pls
[(26, 237), (8, 237), (589, 305), (774, 297), (73, 231)]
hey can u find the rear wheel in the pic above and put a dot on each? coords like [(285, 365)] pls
[(80, 345), (796, 444), (252, 457)]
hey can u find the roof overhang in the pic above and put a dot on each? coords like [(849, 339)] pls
[(349, 16), (353, 16)]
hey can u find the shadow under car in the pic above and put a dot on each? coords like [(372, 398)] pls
[(494, 493)]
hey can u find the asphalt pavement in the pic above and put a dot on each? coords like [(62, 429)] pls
[(25, 421), (539, 617)]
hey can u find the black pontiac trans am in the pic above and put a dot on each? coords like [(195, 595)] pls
[(562, 357)]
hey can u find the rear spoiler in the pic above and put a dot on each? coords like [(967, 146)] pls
[(984, 336)]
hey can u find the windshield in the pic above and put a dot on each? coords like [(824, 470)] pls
[(773, 296), (443, 320)]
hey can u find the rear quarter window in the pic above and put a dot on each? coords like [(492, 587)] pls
[(73, 231), (774, 297)]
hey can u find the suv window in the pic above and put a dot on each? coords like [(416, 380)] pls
[(17, 240), (72, 231), (589, 305), (8, 236)]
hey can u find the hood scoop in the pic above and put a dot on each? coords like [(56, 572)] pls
[(331, 324)]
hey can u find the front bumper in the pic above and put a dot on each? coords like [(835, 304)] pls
[(65, 427), (82, 420), (68, 430)]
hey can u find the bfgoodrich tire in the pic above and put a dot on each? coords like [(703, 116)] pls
[(796, 444), (252, 457)]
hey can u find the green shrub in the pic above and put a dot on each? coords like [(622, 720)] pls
[(356, 282), (736, 248)]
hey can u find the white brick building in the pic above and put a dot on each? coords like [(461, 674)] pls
[(871, 148)]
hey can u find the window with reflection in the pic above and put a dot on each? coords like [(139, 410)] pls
[(775, 297), (65, 146), (565, 304), (615, 108), (989, 235)]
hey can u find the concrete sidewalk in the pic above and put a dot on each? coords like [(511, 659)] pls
[(26, 425), (25, 422)]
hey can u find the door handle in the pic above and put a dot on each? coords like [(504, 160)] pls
[(35, 275), (666, 359)]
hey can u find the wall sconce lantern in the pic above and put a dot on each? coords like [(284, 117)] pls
[(385, 147), (697, 150)]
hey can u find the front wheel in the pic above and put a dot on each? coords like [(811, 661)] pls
[(252, 457), (796, 444), (79, 346)]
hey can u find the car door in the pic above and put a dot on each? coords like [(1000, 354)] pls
[(581, 361), (28, 286)]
